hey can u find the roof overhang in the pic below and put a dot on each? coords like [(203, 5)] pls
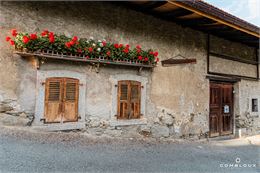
[(204, 17)]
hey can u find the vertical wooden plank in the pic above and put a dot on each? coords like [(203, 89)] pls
[(122, 105), (70, 100), (135, 99), (215, 107)]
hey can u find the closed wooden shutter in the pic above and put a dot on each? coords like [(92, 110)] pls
[(129, 99), (135, 99), (71, 92), (123, 97), (53, 100), (61, 100)]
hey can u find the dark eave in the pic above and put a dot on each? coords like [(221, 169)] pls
[(204, 17)]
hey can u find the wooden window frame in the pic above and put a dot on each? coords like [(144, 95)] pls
[(254, 105), (132, 105)]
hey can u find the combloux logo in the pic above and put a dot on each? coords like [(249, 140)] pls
[(238, 164)]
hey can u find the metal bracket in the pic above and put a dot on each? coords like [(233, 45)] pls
[(140, 70), (43, 119), (97, 68)]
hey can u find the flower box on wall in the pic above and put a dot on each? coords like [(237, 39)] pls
[(50, 45), (80, 58)]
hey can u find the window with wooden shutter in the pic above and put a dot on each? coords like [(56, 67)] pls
[(61, 100), (129, 99)]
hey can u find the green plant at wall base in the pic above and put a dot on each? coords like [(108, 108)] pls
[(88, 48)]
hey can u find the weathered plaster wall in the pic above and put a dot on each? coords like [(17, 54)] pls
[(177, 96), (245, 118)]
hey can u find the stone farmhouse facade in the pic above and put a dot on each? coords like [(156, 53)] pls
[(206, 83)]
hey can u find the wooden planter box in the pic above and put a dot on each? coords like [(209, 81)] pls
[(82, 58)]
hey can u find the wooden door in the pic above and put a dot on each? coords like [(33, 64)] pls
[(129, 99), (61, 100), (221, 109)]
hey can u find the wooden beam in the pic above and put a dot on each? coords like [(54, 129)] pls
[(178, 61), (190, 16), (166, 7)]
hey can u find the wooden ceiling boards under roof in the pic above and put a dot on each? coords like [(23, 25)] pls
[(204, 17)]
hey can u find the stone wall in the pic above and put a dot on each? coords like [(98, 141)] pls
[(245, 118), (177, 97)]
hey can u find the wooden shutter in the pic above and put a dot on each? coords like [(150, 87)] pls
[(129, 99), (70, 100), (123, 99), (53, 100), (135, 99)]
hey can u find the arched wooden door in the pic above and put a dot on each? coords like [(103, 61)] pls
[(61, 100)]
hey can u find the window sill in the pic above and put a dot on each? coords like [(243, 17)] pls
[(116, 122)]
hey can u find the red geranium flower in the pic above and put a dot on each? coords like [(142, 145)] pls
[(67, 44), (33, 36), (12, 42), (108, 53), (104, 43), (126, 50), (44, 33), (120, 45), (157, 59), (138, 50), (14, 32), (138, 47), (140, 58), (8, 38), (151, 52), (51, 39), (25, 39), (87, 57), (146, 59), (127, 45), (72, 42), (155, 54), (75, 38), (116, 46), (90, 49)]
